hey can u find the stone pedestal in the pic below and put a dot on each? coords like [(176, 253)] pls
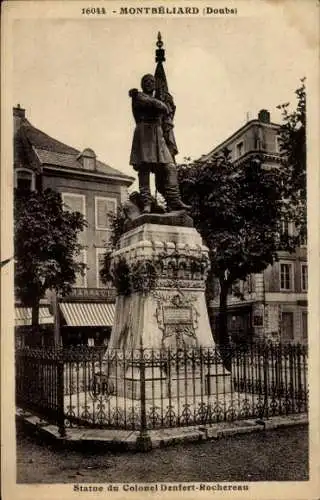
[(168, 318)]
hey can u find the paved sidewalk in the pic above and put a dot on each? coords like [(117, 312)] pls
[(129, 440)]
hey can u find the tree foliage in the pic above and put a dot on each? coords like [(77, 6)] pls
[(46, 243), (236, 209), (118, 223), (292, 135)]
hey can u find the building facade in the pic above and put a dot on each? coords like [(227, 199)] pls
[(274, 303), (90, 187)]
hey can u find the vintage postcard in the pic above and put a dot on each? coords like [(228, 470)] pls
[(160, 249)]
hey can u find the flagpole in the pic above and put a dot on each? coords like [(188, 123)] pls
[(162, 93)]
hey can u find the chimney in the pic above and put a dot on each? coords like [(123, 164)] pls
[(88, 159), (264, 116), (18, 115)]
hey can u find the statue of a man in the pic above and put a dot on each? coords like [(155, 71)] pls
[(150, 151)]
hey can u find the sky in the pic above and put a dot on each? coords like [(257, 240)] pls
[(73, 75)]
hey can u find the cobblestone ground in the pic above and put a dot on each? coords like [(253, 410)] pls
[(277, 455)]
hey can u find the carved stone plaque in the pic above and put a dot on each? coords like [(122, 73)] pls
[(178, 319), (175, 316)]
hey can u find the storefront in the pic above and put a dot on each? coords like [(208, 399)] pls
[(239, 321), (88, 323), (24, 335)]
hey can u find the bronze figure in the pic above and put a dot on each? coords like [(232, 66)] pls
[(153, 146)]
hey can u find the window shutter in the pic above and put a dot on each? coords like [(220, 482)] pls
[(80, 279), (73, 203), (100, 264), (103, 209)]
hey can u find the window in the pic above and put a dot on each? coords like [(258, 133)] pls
[(100, 253), (81, 279), (215, 288), (239, 149), (305, 325), (24, 179), (248, 284), (278, 143), (304, 277), (284, 227), (303, 240), (287, 326), (74, 202), (103, 208), (286, 276)]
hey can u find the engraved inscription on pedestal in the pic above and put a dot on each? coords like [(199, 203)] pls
[(177, 318), (173, 315)]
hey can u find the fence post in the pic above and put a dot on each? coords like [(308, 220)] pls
[(143, 442), (298, 390), (266, 356), (60, 392)]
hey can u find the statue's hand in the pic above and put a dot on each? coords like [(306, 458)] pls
[(167, 97), (133, 93)]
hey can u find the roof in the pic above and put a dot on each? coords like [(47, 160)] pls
[(51, 152), (239, 132)]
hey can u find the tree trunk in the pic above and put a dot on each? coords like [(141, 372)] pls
[(223, 314), (209, 295), (35, 315), (224, 343), (35, 322)]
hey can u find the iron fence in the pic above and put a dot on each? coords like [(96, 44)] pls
[(157, 388), (39, 382)]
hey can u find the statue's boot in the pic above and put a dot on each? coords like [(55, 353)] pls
[(144, 188), (146, 209), (172, 193)]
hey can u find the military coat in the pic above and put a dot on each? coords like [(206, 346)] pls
[(148, 145)]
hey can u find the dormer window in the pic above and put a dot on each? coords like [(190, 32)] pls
[(88, 159), (24, 179)]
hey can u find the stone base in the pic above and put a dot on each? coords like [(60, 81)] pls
[(174, 313), (169, 319), (177, 218), (158, 386)]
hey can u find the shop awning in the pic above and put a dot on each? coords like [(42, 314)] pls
[(87, 314), (23, 316)]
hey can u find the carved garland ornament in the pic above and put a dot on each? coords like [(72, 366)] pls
[(177, 318), (145, 273)]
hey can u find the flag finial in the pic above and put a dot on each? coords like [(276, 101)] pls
[(160, 51), (159, 42)]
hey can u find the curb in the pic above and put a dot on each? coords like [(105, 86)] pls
[(127, 440)]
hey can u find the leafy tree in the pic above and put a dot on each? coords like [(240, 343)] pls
[(236, 209), (118, 222), (292, 135), (117, 227), (46, 242)]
